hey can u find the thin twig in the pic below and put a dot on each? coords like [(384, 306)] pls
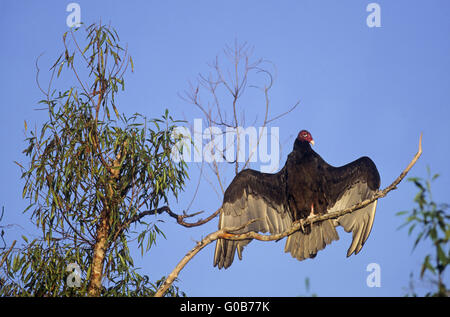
[(284, 113), (224, 233)]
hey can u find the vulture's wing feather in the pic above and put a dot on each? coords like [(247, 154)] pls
[(349, 185), (251, 195)]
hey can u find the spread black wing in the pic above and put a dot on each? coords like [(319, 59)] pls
[(351, 184), (251, 195)]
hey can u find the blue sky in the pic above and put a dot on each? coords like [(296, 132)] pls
[(363, 91)]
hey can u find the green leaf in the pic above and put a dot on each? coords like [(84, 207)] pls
[(57, 61), (15, 265), (122, 260), (115, 111), (307, 284), (132, 66), (418, 239), (411, 229), (441, 255), (433, 234), (427, 266), (60, 68)]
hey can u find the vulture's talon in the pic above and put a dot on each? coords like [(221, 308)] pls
[(302, 221)]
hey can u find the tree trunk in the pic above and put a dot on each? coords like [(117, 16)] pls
[(101, 244), (95, 282)]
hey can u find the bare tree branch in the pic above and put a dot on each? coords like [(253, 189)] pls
[(226, 233), (284, 113), (178, 218), (219, 95)]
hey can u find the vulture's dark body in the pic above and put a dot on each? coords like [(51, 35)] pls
[(305, 182)]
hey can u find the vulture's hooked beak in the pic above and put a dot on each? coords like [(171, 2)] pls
[(311, 142)]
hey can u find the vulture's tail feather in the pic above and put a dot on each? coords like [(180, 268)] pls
[(306, 245)]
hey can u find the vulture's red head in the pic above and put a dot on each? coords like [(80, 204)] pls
[(305, 136)]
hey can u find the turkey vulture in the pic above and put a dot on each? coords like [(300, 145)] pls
[(305, 186)]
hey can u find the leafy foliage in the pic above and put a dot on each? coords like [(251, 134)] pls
[(432, 221), (90, 166)]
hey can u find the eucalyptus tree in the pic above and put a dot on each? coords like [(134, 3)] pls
[(91, 175)]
